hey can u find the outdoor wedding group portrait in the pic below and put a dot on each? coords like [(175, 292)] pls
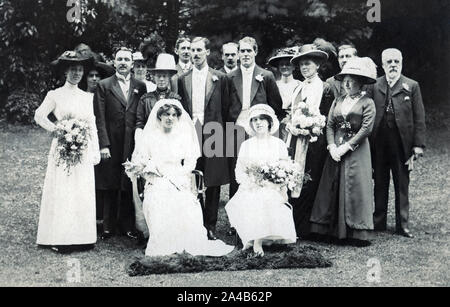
[(224, 143)]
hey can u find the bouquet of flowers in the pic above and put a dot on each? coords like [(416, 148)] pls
[(285, 173), (305, 121), (144, 170), (72, 136)]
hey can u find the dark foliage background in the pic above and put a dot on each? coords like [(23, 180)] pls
[(35, 32)]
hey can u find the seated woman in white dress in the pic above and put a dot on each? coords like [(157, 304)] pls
[(259, 214), (169, 146), (67, 218)]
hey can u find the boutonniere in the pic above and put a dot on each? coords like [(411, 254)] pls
[(407, 98), (405, 87), (136, 91), (259, 78), (214, 78)]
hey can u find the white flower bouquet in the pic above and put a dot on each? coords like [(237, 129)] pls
[(305, 121), (72, 136), (284, 173)]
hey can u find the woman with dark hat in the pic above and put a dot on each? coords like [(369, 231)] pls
[(287, 84), (67, 215), (96, 72), (316, 94), (344, 204)]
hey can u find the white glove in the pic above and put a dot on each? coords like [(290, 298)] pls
[(333, 152), (343, 149)]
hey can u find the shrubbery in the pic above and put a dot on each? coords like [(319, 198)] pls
[(20, 106)]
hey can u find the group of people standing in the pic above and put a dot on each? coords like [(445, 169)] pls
[(374, 126)]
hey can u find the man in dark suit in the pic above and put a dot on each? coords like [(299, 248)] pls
[(184, 65), (229, 57), (345, 52), (397, 139), (249, 85), (204, 95), (115, 103)]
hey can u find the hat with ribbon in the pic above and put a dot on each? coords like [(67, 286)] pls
[(262, 109), (283, 53), (364, 68), (309, 51), (165, 62)]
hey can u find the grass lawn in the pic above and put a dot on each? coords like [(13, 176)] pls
[(422, 261)]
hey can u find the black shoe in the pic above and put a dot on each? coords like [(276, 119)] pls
[(211, 235), (405, 232), (132, 235), (231, 232), (106, 235), (380, 228), (141, 240)]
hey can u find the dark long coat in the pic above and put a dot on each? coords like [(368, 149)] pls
[(116, 120), (355, 175), (216, 107), (408, 111)]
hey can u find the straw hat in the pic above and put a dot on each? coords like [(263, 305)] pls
[(165, 62), (361, 67), (259, 109), (284, 53), (309, 51)]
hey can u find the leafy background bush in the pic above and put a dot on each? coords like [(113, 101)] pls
[(20, 106)]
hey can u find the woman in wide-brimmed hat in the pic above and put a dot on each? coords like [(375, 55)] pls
[(67, 215), (317, 95), (140, 71), (344, 205), (259, 214), (97, 71), (287, 84)]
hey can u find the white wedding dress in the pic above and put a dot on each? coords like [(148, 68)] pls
[(172, 211), (260, 212), (67, 215)]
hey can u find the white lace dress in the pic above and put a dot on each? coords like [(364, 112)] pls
[(172, 211), (67, 215), (260, 212)]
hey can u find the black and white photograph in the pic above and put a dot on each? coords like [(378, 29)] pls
[(224, 148)]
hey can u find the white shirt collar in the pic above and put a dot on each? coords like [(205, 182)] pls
[(392, 82), (184, 66), (202, 71), (227, 70), (312, 79), (248, 70), (122, 78), (70, 86)]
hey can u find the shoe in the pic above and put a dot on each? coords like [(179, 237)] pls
[(132, 235), (405, 232), (211, 235), (380, 228), (231, 232), (141, 240), (106, 235)]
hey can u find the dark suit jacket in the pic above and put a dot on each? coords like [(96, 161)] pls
[(116, 120), (265, 91), (408, 109), (174, 79), (335, 86), (216, 109)]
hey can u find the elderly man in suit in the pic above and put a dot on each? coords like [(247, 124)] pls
[(249, 85), (229, 57), (115, 103), (397, 138), (345, 52), (204, 95)]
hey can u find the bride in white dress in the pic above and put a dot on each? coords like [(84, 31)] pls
[(260, 215), (172, 211), (67, 215)]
